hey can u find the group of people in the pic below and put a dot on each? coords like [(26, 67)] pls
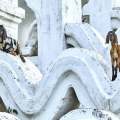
[(8, 44)]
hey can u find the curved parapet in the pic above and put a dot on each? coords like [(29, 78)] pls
[(20, 79), (33, 94), (87, 37), (82, 62), (97, 90), (90, 114)]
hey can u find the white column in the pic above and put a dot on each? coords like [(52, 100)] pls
[(50, 37)]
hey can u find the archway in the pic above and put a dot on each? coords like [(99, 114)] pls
[(71, 42), (69, 102), (32, 40), (28, 35)]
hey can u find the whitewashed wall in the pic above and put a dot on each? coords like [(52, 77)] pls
[(78, 75)]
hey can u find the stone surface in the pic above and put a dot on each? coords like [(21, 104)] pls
[(6, 116), (90, 114)]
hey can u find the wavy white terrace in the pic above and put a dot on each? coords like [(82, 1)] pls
[(67, 73)]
